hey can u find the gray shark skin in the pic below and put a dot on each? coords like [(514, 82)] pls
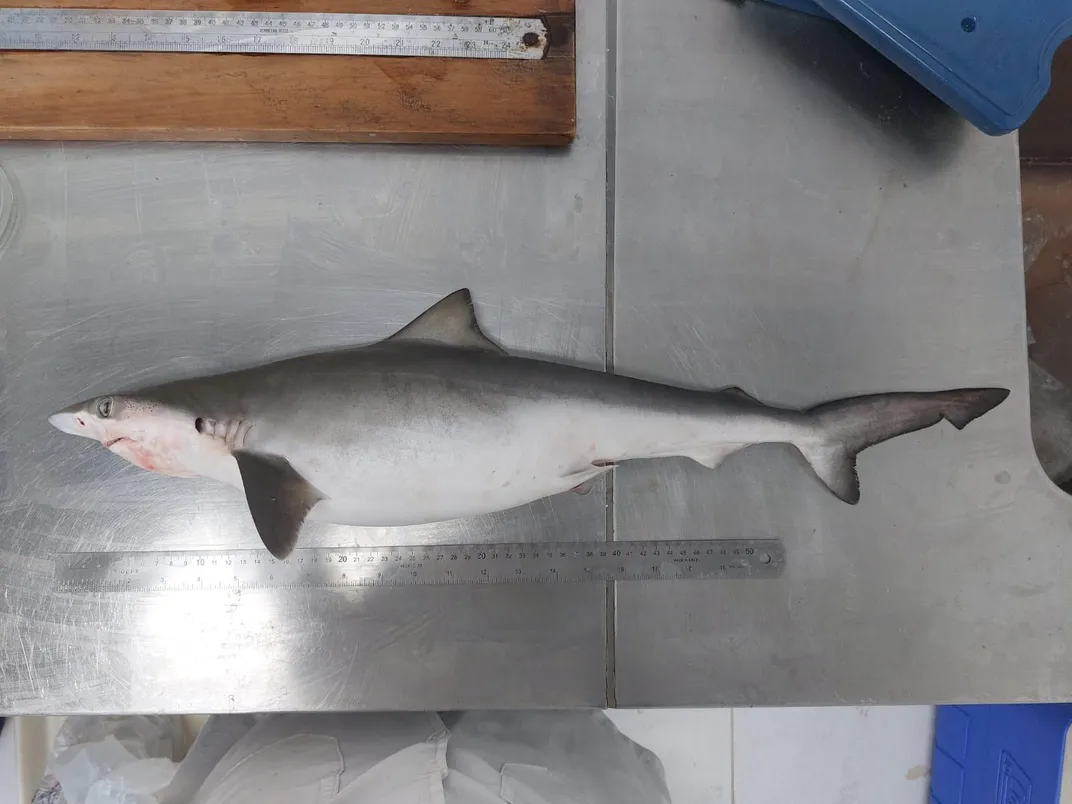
[(437, 422)]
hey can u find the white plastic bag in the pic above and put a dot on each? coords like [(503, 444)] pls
[(111, 760)]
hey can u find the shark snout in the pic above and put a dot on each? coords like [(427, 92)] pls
[(68, 421)]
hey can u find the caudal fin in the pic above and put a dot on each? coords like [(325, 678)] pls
[(844, 428)]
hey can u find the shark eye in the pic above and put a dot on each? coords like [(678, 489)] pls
[(104, 407)]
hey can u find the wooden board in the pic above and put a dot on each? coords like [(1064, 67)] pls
[(296, 98)]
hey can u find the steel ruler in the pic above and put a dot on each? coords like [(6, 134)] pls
[(274, 32), (421, 565)]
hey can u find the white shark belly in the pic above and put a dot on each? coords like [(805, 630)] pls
[(433, 471)]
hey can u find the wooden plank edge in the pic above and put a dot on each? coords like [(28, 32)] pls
[(556, 139)]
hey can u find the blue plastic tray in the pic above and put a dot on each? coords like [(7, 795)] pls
[(988, 59), (999, 754)]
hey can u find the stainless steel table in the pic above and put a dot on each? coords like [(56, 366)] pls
[(787, 213)]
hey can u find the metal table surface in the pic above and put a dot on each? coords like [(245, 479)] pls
[(786, 213)]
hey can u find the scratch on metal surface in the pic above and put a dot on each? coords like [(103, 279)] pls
[(27, 662), (869, 240), (340, 685), (208, 181), (79, 322), (66, 199), (137, 201), (759, 322)]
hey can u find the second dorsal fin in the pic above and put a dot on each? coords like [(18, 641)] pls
[(451, 321)]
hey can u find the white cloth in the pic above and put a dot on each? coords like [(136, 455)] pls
[(568, 757)]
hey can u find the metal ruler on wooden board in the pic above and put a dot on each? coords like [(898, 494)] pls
[(121, 30), (422, 565)]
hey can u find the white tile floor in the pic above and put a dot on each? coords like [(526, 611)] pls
[(695, 746), (844, 755)]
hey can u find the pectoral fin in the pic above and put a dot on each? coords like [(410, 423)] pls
[(278, 497)]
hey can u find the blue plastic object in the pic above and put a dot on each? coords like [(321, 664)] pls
[(999, 754), (988, 59)]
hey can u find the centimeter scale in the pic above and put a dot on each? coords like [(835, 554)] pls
[(418, 565)]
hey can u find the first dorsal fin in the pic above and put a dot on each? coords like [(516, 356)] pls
[(451, 321)]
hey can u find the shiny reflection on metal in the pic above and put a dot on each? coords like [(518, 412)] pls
[(445, 564), (141, 263)]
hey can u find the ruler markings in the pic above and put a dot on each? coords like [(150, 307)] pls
[(421, 565), (279, 32)]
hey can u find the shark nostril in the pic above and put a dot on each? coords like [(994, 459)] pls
[(80, 420), (199, 424)]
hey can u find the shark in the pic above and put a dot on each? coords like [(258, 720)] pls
[(439, 422)]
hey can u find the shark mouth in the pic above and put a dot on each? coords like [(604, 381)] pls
[(113, 442)]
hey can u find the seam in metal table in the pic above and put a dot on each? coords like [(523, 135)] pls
[(788, 213)]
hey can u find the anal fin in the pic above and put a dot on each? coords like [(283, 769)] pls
[(711, 457), (836, 467), (278, 497)]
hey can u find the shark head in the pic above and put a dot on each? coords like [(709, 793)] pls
[(149, 433)]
